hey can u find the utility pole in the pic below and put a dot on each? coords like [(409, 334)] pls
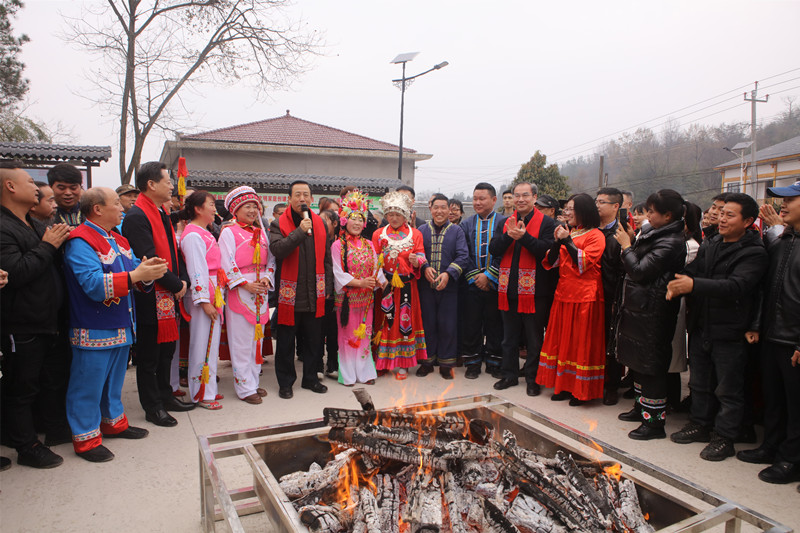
[(753, 167), (600, 175)]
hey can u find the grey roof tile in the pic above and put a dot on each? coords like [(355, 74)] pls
[(56, 152)]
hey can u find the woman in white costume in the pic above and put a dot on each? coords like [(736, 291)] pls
[(250, 270), (204, 299)]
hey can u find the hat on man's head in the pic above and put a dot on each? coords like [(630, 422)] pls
[(785, 192), (125, 189), (397, 202), (545, 200), (240, 196)]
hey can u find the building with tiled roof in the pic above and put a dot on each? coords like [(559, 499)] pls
[(40, 157), (776, 166), (271, 153)]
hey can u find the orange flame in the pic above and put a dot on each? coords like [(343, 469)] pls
[(647, 516), (614, 471), (592, 424)]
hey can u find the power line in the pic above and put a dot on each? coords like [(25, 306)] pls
[(672, 112)]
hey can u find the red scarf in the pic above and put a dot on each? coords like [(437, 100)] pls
[(287, 292), (165, 300), (526, 282)]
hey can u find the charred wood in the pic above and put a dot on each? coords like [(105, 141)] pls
[(323, 519), (451, 492), (496, 520), (299, 484), (349, 418), (364, 399), (388, 450), (630, 510), (405, 435)]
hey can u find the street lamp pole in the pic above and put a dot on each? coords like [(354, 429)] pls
[(403, 83)]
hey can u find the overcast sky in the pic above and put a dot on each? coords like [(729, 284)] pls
[(523, 75)]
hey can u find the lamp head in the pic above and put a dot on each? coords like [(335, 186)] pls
[(441, 65)]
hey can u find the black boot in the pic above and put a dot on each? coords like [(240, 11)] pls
[(654, 417), (648, 432), (635, 414)]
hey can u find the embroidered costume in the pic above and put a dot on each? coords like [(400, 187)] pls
[(573, 355), (245, 310), (202, 256), (102, 325), (402, 337), (446, 250), (482, 318)]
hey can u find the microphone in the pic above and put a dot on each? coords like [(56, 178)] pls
[(306, 214)]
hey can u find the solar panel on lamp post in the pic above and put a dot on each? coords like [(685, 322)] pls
[(403, 59)]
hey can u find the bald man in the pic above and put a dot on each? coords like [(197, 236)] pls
[(101, 271), (34, 369)]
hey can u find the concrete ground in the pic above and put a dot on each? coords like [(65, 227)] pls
[(153, 484)]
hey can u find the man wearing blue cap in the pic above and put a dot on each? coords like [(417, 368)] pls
[(780, 347)]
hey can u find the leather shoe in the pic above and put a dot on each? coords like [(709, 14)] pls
[(446, 373), (781, 473), (317, 387), (610, 397), (174, 404), (505, 383), (533, 389), (758, 456), (473, 371), (634, 415), (285, 393), (645, 432), (98, 454), (423, 370), (161, 418), (130, 433)]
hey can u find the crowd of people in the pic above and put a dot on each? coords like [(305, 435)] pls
[(593, 293)]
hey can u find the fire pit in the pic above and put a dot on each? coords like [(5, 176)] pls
[(286, 452)]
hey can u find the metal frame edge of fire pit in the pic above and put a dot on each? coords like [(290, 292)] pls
[(217, 502)]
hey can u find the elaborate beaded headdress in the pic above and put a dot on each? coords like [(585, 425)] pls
[(397, 202), (354, 203)]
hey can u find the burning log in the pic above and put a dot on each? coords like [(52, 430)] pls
[(424, 508), (364, 399), (451, 491), (630, 510), (577, 479), (389, 500), (323, 519), (363, 442), (404, 435), (496, 520), (299, 484), (528, 516), (367, 518), (349, 418)]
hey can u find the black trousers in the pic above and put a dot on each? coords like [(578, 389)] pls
[(310, 329), (613, 371), (153, 362), (716, 380), (781, 401), (482, 320), (331, 337), (532, 326), (35, 377)]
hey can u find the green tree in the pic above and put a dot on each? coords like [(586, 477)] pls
[(546, 177), (12, 85)]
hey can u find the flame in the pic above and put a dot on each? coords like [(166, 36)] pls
[(348, 481), (592, 424), (647, 516), (614, 471)]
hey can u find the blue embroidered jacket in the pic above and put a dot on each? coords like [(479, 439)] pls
[(101, 307), (446, 251), (479, 234)]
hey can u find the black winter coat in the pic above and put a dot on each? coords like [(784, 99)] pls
[(727, 277), (646, 319), (35, 292), (781, 318)]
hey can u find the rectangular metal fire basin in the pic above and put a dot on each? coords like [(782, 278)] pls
[(673, 504)]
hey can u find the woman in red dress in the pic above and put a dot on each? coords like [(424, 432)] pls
[(402, 338), (573, 355)]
